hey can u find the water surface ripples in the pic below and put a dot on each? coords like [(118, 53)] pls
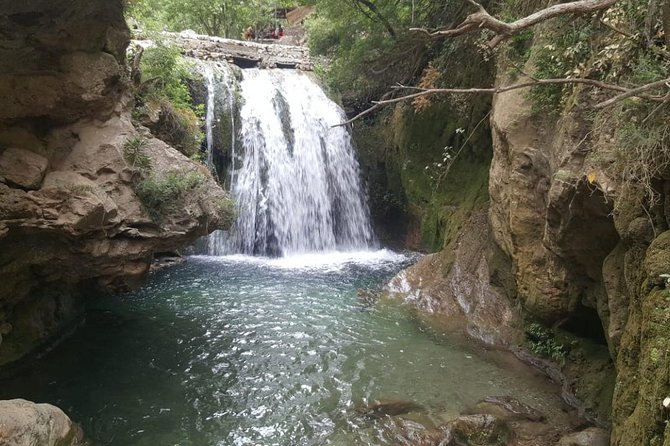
[(247, 351)]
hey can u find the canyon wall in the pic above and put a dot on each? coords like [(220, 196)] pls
[(72, 223), (560, 259)]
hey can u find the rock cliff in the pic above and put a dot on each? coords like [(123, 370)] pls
[(71, 219), (569, 264)]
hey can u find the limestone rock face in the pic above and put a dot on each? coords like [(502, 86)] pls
[(463, 286), (23, 423), (60, 60), (580, 263), (72, 222), (554, 224), (87, 225)]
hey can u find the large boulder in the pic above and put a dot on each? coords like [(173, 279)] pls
[(465, 286), (23, 423)]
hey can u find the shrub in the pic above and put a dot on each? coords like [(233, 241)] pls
[(541, 342), (165, 77), (158, 191)]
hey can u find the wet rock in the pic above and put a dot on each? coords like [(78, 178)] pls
[(593, 436), (367, 298), (379, 409), (23, 168), (166, 261), (23, 423), (481, 430), (507, 408), (464, 287)]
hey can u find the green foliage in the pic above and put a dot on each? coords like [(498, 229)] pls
[(158, 191), (642, 148), (135, 155), (542, 342), (165, 77), (165, 74), (564, 54), (225, 18), (617, 46), (365, 58)]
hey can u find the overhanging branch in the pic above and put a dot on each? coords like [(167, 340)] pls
[(481, 19), (639, 92)]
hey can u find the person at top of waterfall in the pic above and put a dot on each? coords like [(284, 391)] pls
[(280, 32)]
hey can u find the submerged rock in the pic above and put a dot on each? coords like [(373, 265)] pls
[(383, 408), (481, 430), (593, 436), (24, 423), (508, 408)]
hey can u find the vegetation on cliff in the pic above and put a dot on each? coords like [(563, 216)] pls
[(163, 100)]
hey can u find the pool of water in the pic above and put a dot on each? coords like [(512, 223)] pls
[(248, 351)]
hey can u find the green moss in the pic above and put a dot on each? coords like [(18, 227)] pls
[(444, 199)]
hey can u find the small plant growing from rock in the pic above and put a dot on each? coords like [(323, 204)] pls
[(541, 342), (134, 152)]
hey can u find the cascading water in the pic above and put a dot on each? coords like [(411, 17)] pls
[(298, 187), (220, 82)]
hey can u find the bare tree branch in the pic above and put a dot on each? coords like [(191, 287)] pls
[(359, 116), (636, 92), (625, 92), (483, 20)]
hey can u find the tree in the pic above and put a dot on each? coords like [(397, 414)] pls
[(482, 20), (224, 18)]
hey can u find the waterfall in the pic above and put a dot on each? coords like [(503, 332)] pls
[(209, 119), (297, 187)]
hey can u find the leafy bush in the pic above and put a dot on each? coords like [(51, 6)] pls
[(165, 77), (541, 342), (158, 191), (165, 73)]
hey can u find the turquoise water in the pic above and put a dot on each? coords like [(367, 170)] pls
[(247, 351)]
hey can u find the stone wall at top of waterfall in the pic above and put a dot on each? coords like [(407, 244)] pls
[(292, 172)]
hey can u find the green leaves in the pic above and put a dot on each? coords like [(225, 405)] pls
[(224, 18)]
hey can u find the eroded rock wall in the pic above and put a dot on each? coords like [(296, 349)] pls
[(585, 259), (71, 221)]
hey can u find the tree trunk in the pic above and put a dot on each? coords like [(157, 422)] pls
[(371, 6)]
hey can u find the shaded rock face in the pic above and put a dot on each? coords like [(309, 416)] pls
[(465, 286), (579, 264), (71, 222), (60, 60), (544, 214), (23, 423)]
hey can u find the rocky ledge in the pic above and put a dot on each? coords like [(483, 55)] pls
[(243, 54)]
